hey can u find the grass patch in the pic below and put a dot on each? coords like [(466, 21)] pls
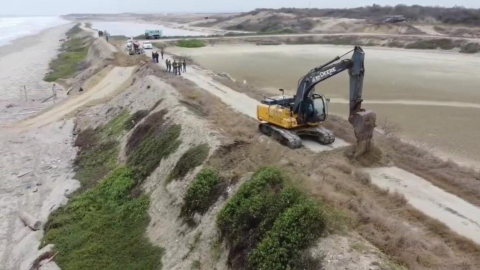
[(74, 30), (196, 265), (150, 142), (202, 193), (104, 228), (68, 62), (194, 157), (135, 118), (114, 127), (444, 44), (191, 43), (99, 150), (470, 48), (96, 162), (260, 223)]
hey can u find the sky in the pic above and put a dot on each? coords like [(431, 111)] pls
[(60, 7)]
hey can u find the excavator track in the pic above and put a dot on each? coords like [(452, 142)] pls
[(319, 133), (284, 136)]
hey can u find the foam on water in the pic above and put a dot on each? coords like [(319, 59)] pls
[(15, 27)]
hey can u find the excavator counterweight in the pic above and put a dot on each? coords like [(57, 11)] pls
[(288, 118)]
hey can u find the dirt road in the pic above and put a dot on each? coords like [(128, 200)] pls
[(112, 82), (457, 214)]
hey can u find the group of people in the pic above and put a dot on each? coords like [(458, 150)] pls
[(156, 56), (176, 67)]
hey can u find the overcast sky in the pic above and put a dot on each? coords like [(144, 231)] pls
[(59, 7)]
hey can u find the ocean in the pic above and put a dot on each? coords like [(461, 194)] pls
[(12, 28)]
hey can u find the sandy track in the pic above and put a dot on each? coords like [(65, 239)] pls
[(457, 214), (24, 63), (241, 102), (105, 88)]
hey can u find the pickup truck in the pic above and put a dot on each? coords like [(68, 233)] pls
[(153, 34)]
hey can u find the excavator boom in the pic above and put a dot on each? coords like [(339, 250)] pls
[(289, 118), (363, 121)]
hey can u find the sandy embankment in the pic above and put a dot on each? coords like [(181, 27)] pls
[(459, 215), (24, 63)]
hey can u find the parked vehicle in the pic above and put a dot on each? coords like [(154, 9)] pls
[(147, 45), (153, 34)]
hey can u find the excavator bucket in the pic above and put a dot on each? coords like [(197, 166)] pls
[(363, 123)]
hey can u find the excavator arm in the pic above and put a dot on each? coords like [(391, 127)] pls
[(363, 121)]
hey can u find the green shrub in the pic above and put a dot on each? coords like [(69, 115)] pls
[(191, 43), (114, 127), (135, 119), (202, 193), (99, 150), (154, 124), (67, 63), (470, 48), (432, 44), (251, 213), (194, 157), (196, 265), (104, 228), (94, 163), (74, 30), (296, 229), (157, 145)]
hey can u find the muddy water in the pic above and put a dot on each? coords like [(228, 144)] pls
[(433, 96)]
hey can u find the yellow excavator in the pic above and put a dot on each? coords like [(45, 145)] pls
[(287, 118)]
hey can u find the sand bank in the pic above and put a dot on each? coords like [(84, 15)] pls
[(24, 64)]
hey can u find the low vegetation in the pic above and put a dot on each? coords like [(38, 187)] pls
[(275, 24), (104, 228), (72, 53), (99, 149), (74, 30), (450, 15), (191, 43), (268, 223), (194, 157), (202, 193), (470, 48), (152, 144), (134, 119), (93, 164), (432, 44)]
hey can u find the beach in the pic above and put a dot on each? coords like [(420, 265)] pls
[(35, 164), (24, 63)]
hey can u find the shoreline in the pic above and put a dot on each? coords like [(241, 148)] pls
[(24, 63)]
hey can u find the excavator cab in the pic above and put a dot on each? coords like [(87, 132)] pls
[(316, 110)]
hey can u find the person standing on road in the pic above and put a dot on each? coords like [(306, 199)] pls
[(175, 67), (161, 52), (153, 57), (157, 56), (184, 66), (166, 65)]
